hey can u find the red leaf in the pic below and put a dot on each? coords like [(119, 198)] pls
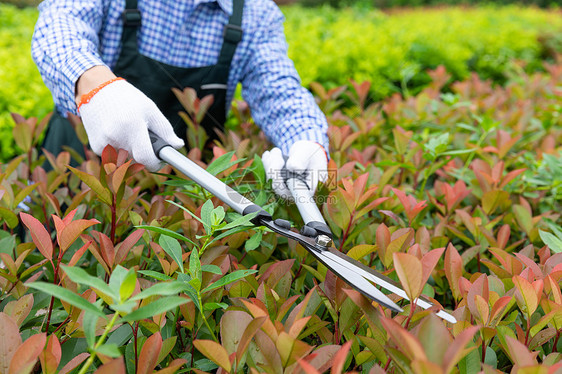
[(409, 270), (173, 366), (73, 230), (407, 343), (115, 366), (429, 261), (73, 364), (519, 353), (149, 354), (453, 270), (51, 355), (10, 340), (27, 354), (308, 368), (526, 295), (123, 248), (39, 234), (456, 351), (109, 155), (339, 358), (107, 250)]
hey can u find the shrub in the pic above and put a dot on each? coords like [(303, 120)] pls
[(394, 51), (330, 46), (21, 88), (133, 273)]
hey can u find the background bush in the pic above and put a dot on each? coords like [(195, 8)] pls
[(330, 46), (394, 51), (21, 88)]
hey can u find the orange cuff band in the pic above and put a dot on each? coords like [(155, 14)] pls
[(85, 99), (325, 153)]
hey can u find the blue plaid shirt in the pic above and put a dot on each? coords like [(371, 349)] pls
[(72, 36)]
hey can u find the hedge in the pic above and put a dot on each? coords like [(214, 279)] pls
[(331, 46)]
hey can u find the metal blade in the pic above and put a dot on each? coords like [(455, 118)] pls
[(345, 271), (354, 279), (386, 283)]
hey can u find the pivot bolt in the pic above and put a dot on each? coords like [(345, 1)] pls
[(323, 240)]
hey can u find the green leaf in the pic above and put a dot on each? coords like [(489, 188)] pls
[(117, 277), (89, 323), (93, 182), (186, 210), (156, 275), (80, 276), (156, 307), (7, 244), (554, 243), (217, 216), (128, 285), (240, 221), (254, 241), (110, 350), (168, 232), (173, 248), (470, 363), (211, 269), (68, 296), (164, 289), (213, 306), (10, 217), (229, 278), (195, 266), (222, 163), (206, 215)]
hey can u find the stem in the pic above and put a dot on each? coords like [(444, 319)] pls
[(528, 331), (113, 219), (55, 282), (346, 233), (135, 342), (62, 324), (205, 319), (90, 360), (483, 350), (387, 364), (555, 348), (412, 308), (337, 330)]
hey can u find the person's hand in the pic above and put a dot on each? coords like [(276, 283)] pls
[(306, 158), (120, 115)]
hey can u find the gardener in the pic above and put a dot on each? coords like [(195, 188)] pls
[(114, 63)]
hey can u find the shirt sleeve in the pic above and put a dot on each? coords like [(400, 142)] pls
[(285, 111), (65, 44)]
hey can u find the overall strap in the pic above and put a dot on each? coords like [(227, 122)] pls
[(232, 33), (131, 23)]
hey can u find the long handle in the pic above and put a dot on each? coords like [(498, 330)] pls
[(200, 176), (304, 199)]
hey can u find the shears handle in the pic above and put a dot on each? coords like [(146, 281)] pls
[(306, 204)]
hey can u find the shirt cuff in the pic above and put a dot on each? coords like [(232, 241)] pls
[(74, 66)]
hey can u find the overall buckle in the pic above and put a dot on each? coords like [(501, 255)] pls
[(232, 33), (132, 17)]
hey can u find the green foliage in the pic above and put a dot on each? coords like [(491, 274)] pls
[(330, 46), (393, 51), (22, 90)]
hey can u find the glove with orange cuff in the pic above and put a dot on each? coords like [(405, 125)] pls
[(118, 114)]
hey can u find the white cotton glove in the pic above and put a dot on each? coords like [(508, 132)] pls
[(120, 115), (305, 158)]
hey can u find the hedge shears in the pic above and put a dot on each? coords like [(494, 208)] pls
[(315, 236)]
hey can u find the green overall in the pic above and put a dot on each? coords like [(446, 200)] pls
[(156, 80)]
